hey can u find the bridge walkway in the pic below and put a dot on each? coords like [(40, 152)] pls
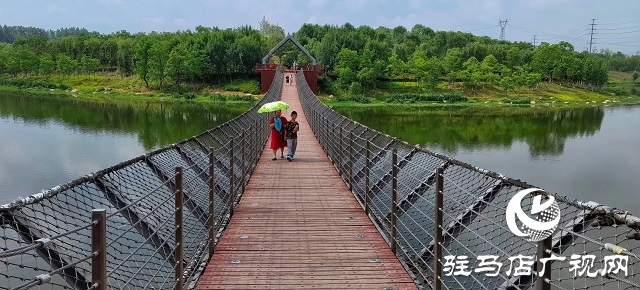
[(298, 226)]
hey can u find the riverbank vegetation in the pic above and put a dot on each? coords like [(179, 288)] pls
[(362, 65)]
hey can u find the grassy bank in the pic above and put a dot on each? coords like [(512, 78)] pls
[(620, 90), (110, 87)]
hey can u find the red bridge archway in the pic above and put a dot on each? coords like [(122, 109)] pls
[(268, 71)]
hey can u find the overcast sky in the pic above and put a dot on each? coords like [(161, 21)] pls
[(617, 21)]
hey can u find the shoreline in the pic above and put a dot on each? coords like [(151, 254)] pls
[(631, 101), (242, 99), (131, 98)]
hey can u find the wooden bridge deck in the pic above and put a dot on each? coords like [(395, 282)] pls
[(298, 226)]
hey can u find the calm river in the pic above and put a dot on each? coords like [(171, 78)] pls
[(591, 154), (50, 141)]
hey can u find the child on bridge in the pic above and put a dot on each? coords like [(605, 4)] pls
[(291, 135)]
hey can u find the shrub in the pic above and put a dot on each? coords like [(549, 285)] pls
[(355, 89), (616, 91), (223, 99), (22, 83), (245, 86), (449, 97), (517, 101), (353, 98), (327, 85)]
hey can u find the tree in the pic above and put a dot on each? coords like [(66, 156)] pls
[(142, 59), (532, 79), (507, 83), (452, 63), (635, 76), (65, 64), (426, 70), (471, 75), (47, 65), (158, 57), (125, 56), (347, 67), (272, 34), (177, 64), (396, 67)]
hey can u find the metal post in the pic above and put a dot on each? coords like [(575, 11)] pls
[(212, 205), (179, 251), (341, 150), (256, 151), (255, 146), (439, 237), (99, 245), (351, 161), (326, 134), (543, 245), (231, 179), (366, 177), (334, 140), (394, 197), (243, 169)]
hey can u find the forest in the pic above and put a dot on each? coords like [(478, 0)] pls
[(355, 59)]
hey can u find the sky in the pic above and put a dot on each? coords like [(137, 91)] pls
[(617, 22)]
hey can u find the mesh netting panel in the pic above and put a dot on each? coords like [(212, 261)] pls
[(210, 140), (588, 236), (13, 269)]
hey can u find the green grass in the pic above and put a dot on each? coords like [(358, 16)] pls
[(113, 87), (245, 86), (393, 93), (396, 85)]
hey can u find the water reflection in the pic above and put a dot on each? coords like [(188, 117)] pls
[(51, 140), (450, 129), (155, 124)]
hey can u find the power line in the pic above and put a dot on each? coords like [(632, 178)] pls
[(576, 34), (502, 26), (593, 24), (622, 22), (492, 26)]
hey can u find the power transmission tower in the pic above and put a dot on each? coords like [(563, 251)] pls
[(593, 24), (534, 40), (503, 24)]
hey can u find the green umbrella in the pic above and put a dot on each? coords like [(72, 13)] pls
[(273, 106)]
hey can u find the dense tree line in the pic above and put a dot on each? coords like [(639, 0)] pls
[(354, 56), (363, 55), (9, 34)]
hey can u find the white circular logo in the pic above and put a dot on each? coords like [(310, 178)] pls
[(535, 229)]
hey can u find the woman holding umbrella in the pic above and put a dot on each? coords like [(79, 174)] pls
[(277, 125)]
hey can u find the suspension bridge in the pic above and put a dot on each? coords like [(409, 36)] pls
[(356, 209)]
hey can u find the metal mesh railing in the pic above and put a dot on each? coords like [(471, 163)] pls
[(51, 240), (411, 193)]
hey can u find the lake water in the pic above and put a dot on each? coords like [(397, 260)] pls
[(590, 154), (50, 141)]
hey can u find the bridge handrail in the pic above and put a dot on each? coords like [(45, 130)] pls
[(397, 185), (141, 242)]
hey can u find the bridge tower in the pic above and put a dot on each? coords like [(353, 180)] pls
[(268, 71)]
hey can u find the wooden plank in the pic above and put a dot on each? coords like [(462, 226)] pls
[(285, 280), (298, 226), (234, 285)]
